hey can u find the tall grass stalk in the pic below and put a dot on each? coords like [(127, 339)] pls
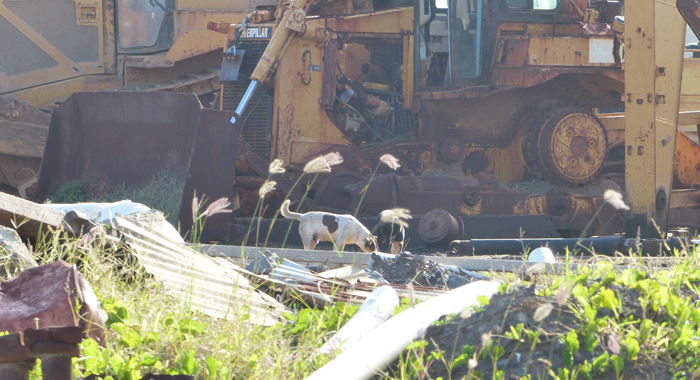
[(387, 159)]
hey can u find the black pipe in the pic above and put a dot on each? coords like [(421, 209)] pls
[(605, 245)]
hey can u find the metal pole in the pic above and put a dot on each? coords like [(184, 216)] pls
[(246, 98)]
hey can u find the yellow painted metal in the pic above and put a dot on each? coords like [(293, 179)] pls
[(88, 13), (654, 36), (690, 87), (302, 127), (394, 21), (571, 51), (351, 59), (221, 4), (614, 122), (277, 43), (45, 96), (65, 69), (576, 146), (192, 37)]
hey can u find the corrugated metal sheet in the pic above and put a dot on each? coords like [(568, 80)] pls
[(317, 290), (197, 280)]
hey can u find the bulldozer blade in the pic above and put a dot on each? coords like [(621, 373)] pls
[(211, 173), (104, 139)]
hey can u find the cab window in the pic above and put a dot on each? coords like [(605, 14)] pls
[(467, 33), (528, 5)]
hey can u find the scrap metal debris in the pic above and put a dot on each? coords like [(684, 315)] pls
[(406, 268), (196, 279), (264, 263)]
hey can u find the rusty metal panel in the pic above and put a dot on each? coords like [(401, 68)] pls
[(23, 130), (211, 171), (573, 51), (686, 164), (197, 280), (300, 126), (516, 52), (110, 138)]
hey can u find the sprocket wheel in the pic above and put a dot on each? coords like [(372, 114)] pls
[(572, 145)]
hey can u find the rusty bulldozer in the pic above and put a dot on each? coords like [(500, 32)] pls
[(510, 118)]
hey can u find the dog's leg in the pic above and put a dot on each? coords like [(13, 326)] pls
[(395, 247), (308, 239), (312, 244)]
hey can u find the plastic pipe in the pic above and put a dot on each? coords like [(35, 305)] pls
[(375, 351)]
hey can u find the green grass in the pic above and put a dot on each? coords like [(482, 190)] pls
[(149, 331), (163, 192)]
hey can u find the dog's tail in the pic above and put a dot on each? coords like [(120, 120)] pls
[(288, 214)]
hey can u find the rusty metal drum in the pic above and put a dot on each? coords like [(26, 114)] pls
[(439, 226)]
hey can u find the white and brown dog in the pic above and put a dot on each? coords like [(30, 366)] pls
[(318, 226)]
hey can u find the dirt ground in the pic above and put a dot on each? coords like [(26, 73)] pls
[(522, 358)]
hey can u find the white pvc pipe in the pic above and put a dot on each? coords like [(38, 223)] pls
[(376, 309), (376, 350)]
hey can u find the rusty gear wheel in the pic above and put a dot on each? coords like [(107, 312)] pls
[(572, 145), (533, 122)]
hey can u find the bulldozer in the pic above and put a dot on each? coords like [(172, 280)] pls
[(477, 99), (499, 112), (51, 49)]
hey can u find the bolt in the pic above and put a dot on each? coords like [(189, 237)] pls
[(15, 113), (433, 225)]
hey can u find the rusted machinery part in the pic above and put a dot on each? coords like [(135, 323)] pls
[(94, 140), (23, 131), (331, 193), (55, 346), (438, 226), (565, 144), (573, 145), (451, 150)]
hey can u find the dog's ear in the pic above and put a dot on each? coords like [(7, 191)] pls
[(371, 244)]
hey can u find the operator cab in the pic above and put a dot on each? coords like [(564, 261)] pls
[(455, 38)]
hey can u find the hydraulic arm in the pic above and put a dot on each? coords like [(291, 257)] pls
[(293, 16)]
